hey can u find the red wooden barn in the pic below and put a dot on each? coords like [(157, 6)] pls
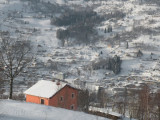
[(52, 93)]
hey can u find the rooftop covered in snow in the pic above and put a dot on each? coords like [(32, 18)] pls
[(45, 88)]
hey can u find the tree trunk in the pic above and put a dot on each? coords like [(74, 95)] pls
[(159, 112), (11, 88)]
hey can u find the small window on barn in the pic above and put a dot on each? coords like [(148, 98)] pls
[(61, 98), (42, 101), (72, 95), (72, 107)]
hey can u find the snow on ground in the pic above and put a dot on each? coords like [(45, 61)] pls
[(103, 110), (109, 111), (61, 2), (56, 1), (14, 5), (15, 110)]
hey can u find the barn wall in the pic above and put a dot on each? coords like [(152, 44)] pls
[(67, 101), (35, 99)]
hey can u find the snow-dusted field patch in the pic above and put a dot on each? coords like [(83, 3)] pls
[(14, 110)]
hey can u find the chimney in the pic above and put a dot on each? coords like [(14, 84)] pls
[(58, 82)]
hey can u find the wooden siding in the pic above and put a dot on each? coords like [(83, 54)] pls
[(35, 99)]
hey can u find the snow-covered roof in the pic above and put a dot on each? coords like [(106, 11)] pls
[(45, 88)]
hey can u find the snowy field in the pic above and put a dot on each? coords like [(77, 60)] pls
[(14, 110)]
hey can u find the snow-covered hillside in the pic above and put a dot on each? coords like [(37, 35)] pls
[(125, 28), (14, 110), (138, 28)]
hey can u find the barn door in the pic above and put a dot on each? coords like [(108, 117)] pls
[(42, 101)]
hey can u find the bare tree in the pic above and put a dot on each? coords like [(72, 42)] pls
[(144, 107), (133, 104), (83, 100), (125, 100), (102, 97), (14, 57), (157, 103)]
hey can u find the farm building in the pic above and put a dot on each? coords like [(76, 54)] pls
[(53, 93)]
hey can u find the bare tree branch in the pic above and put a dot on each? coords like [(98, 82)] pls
[(14, 55)]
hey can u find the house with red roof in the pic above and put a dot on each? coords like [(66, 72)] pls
[(53, 93)]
